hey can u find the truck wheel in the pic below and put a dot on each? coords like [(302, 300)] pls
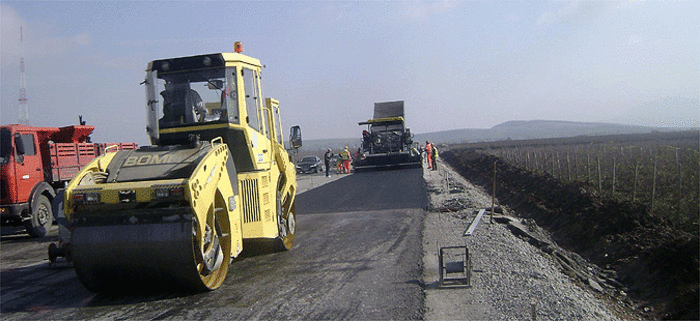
[(42, 218)]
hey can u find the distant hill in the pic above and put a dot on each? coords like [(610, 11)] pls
[(517, 130), (534, 129), (335, 144)]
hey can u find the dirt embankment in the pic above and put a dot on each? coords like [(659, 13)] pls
[(656, 265)]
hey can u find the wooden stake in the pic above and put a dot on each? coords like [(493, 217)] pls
[(680, 180), (493, 197), (527, 161), (653, 188), (588, 168), (568, 167), (636, 177), (558, 166), (613, 178), (600, 182)]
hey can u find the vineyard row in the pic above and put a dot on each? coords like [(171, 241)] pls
[(665, 178)]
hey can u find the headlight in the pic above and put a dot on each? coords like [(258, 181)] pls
[(82, 198), (168, 191)]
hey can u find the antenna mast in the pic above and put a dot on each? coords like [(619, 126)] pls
[(23, 109)]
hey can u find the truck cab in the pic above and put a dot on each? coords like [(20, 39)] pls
[(24, 196), (34, 163)]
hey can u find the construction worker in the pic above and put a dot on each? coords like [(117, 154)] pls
[(345, 156), (357, 157), (181, 104), (434, 154), (327, 160), (338, 164), (366, 141), (429, 153)]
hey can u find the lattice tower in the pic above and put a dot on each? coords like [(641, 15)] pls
[(23, 109)]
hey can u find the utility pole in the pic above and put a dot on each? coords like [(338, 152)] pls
[(23, 109)]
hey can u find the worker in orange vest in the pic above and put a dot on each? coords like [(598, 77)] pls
[(429, 153)]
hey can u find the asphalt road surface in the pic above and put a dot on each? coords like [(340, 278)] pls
[(357, 255)]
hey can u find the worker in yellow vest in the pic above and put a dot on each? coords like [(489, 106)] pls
[(434, 155), (345, 156)]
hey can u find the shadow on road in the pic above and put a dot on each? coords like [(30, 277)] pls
[(25, 238), (376, 190), (24, 289), (19, 234), (38, 288), (139, 295)]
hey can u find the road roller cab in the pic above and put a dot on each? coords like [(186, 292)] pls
[(218, 173)]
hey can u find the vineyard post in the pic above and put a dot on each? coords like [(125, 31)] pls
[(680, 180), (636, 176), (600, 182), (511, 156), (527, 160), (653, 188), (588, 168), (553, 164), (543, 162), (493, 196), (522, 160), (568, 167), (558, 167), (613, 178)]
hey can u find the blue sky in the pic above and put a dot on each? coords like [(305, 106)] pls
[(456, 64)]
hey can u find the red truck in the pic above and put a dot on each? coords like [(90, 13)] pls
[(34, 163)]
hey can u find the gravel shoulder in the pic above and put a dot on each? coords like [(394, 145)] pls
[(511, 279)]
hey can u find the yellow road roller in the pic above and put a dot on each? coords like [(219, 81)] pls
[(217, 175)]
